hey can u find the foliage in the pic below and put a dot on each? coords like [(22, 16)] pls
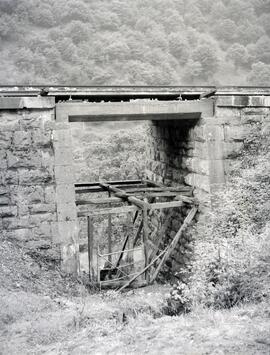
[(232, 251), (134, 42), (117, 155)]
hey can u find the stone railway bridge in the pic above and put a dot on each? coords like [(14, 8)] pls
[(194, 133)]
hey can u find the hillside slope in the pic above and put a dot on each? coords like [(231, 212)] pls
[(138, 42)]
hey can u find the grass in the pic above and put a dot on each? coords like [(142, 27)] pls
[(42, 312), (132, 323)]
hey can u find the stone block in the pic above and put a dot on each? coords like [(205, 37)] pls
[(21, 235), (199, 181), (3, 160), (34, 119), (199, 166), (8, 211), (253, 111), (27, 194), (224, 115), (43, 230), (200, 151), (241, 101), (198, 133), (9, 177), (65, 193), (23, 159), (50, 194), (42, 208), (7, 124), (47, 161), (64, 175), (224, 101), (21, 139), (42, 138), (238, 133), (4, 200), (11, 223), (5, 139), (66, 211), (65, 232), (34, 177), (37, 219), (216, 172), (63, 156)]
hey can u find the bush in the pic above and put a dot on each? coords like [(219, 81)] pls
[(231, 263)]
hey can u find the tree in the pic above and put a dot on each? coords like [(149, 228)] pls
[(77, 31), (8, 6), (238, 54), (179, 48), (260, 74), (193, 72), (261, 50), (207, 57), (225, 30)]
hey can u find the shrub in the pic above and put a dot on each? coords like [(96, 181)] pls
[(232, 249)]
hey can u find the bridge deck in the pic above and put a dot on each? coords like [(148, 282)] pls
[(62, 91)]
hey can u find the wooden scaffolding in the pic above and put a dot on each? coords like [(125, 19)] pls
[(133, 197)]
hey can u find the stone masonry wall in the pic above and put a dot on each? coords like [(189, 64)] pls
[(27, 179), (37, 195), (200, 154)]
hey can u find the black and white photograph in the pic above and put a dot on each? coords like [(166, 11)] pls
[(135, 177)]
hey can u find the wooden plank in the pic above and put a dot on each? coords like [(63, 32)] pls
[(145, 238), (114, 182), (125, 196), (131, 186), (173, 244), (161, 205), (99, 201), (110, 236), (160, 189), (88, 190), (168, 194), (90, 232), (113, 210)]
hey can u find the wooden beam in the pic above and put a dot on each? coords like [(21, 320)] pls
[(145, 239), (160, 189), (174, 242), (113, 182), (161, 205), (90, 229), (125, 196), (99, 201), (168, 194), (113, 210)]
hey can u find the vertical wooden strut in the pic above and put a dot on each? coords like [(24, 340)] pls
[(109, 233), (145, 239), (90, 246)]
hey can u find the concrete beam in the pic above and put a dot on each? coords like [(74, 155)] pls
[(16, 103), (134, 110)]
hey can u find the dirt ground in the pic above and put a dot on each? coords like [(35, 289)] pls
[(41, 312)]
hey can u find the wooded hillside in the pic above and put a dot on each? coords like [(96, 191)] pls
[(138, 42)]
